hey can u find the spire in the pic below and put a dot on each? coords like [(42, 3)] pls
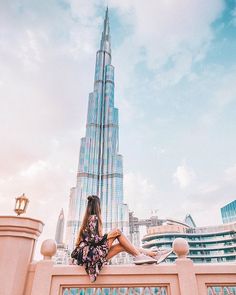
[(106, 16), (106, 39)]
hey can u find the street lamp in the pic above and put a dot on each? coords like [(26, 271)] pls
[(21, 204)]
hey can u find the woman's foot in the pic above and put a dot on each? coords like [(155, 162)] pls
[(142, 258), (149, 252)]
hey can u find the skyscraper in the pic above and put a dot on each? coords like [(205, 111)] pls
[(60, 228), (100, 170), (228, 212), (62, 255)]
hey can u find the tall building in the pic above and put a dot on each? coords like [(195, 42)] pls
[(100, 170), (228, 212), (62, 255), (189, 220), (208, 244), (60, 228)]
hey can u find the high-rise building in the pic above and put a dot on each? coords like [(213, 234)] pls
[(207, 244), (60, 228), (228, 212), (62, 255), (100, 170), (189, 220)]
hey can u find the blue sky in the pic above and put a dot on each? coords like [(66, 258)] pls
[(175, 69)]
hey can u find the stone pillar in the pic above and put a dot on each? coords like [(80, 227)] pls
[(185, 268), (18, 236), (43, 271)]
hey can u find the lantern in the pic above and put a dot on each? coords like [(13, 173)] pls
[(21, 205)]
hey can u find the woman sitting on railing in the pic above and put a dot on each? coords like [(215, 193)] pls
[(93, 249)]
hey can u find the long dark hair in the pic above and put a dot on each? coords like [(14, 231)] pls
[(93, 208)]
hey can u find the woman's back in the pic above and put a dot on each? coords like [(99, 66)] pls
[(93, 248), (90, 233)]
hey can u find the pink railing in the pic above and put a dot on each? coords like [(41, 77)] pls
[(20, 276), (180, 278)]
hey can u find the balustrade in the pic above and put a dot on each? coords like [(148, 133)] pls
[(179, 278), (19, 275)]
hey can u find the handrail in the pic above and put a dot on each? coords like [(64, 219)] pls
[(179, 278)]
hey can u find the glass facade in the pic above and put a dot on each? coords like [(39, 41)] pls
[(100, 170), (228, 212), (206, 244)]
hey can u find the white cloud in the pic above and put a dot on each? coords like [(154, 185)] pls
[(169, 35), (138, 190), (222, 89), (207, 197), (34, 169), (184, 176)]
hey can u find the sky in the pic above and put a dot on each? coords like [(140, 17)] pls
[(175, 79)]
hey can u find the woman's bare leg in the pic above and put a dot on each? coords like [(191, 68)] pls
[(114, 250), (111, 241), (125, 245), (117, 248), (128, 247), (123, 241)]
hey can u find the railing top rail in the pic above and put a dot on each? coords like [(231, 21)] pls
[(121, 270)]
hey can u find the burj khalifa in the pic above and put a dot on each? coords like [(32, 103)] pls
[(100, 170)]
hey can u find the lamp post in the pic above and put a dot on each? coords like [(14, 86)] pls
[(21, 204)]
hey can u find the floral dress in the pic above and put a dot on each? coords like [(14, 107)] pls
[(92, 249)]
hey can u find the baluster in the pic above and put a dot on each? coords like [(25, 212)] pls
[(228, 291), (152, 292), (163, 291), (210, 289), (147, 291), (213, 291), (159, 291)]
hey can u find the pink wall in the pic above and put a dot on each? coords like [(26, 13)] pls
[(17, 242)]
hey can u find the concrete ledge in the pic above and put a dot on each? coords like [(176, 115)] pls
[(13, 226)]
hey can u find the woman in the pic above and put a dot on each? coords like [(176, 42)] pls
[(93, 249)]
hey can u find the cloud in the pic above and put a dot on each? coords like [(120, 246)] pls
[(223, 93), (184, 176), (138, 190), (45, 74), (208, 197), (169, 36)]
